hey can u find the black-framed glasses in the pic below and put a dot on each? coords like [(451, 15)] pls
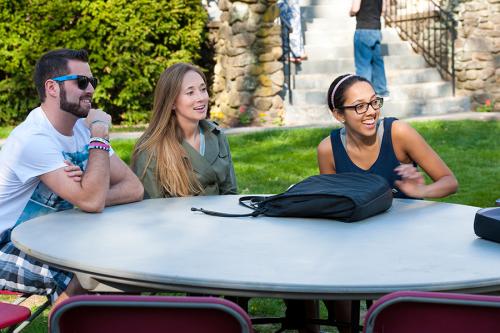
[(82, 80), (362, 108)]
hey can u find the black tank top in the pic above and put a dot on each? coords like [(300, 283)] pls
[(368, 16), (383, 166)]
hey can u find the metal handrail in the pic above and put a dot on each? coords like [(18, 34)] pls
[(430, 29), (286, 29)]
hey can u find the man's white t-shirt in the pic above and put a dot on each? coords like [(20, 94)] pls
[(34, 148)]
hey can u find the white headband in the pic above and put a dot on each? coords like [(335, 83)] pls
[(338, 85)]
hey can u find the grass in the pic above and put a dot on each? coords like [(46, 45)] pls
[(4, 131), (471, 150), (127, 128), (270, 161)]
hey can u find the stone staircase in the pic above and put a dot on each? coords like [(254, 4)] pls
[(416, 89)]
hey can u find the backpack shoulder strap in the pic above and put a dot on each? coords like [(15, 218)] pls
[(251, 202), (213, 213)]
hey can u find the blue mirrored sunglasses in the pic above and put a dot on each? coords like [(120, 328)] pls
[(82, 81)]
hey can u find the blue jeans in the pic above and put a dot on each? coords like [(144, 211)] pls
[(368, 58), (290, 13)]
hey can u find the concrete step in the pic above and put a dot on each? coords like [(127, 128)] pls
[(342, 37), (303, 97), (424, 91), (414, 61), (417, 91), (327, 24), (320, 114), (314, 81), (304, 115), (316, 2), (336, 10), (346, 65), (426, 107), (394, 77), (324, 66), (326, 51), (412, 76), (318, 33)]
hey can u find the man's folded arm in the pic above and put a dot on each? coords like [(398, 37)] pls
[(89, 194)]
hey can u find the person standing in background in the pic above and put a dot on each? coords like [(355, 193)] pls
[(368, 58), (290, 13), (212, 8)]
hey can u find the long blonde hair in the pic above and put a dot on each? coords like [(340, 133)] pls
[(163, 137)]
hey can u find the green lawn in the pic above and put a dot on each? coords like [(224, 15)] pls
[(4, 131), (268, 162)]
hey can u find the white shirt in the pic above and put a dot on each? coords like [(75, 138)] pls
[(34, 148)]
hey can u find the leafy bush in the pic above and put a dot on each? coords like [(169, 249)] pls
[(488, 106), (130, 44)]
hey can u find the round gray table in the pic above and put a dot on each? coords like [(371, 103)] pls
[(161, 244)]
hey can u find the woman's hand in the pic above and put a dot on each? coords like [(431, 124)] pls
[(412, 182), (411, 146), (73, 171)]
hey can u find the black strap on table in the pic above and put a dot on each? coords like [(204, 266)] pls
[(251, 202)]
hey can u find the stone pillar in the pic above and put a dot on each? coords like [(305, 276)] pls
[(478, 51), (248, 75)]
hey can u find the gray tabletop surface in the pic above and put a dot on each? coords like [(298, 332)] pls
[(162, 244)]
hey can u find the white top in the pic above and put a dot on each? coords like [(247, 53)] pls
[(34, 148), (161, 243)]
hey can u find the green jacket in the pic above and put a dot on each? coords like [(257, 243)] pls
[(214, 170)]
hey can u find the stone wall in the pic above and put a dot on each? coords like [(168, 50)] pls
[(478, 51), (248, 76)]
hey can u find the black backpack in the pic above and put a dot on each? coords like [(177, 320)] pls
[(487, 223), (347, 197)]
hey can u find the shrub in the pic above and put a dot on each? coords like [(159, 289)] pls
[(488, 106), (130, 44)]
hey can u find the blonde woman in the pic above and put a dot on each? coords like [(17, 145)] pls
[(181, 153)]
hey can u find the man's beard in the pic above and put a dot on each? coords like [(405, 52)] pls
[(73, 108)]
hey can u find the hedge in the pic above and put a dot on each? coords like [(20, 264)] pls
[(130, 44)]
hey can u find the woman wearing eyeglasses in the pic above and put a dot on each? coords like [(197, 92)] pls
[(181, 153), (387, 147)]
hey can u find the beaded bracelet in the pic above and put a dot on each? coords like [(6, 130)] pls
[(100, 144), (101, 147)]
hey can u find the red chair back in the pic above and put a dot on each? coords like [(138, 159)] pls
[(415, 311), (11, 314), (113, 313)]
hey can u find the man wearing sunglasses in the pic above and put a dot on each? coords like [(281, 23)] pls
[(59, 157)]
